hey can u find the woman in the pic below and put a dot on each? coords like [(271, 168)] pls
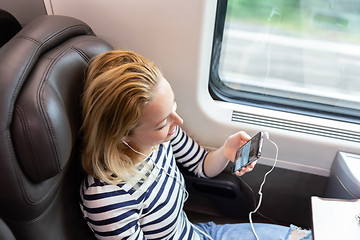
[(132, 141)]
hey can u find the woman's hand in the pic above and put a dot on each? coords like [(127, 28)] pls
[(232, 144), (246, 169), (217, 160)]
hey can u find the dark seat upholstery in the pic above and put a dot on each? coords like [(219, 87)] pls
[(41, 70), (9, 26), (224, 195), (5, 232)]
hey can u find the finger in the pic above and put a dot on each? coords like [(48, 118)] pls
[(244, 136), (252, 165), (239, 173), (250, 168)]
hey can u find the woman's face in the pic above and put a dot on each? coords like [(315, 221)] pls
[(159, 120)]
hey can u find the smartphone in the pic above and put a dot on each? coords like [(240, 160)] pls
[(249, 152)]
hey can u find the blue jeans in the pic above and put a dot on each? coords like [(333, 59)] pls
[(243, 231)]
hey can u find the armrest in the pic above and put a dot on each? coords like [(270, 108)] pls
[(226, 191)]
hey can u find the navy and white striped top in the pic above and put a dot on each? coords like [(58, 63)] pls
[(154, 208)]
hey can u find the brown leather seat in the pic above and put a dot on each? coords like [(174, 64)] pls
[(41, 71)]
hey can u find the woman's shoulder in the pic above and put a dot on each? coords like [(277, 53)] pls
[(94, 186), (98, 197), (101, 189)]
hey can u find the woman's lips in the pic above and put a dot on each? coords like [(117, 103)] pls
[(172, 131)]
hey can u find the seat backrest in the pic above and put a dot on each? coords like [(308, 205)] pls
[(41, 70)]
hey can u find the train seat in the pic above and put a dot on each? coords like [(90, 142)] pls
[(40, 86)]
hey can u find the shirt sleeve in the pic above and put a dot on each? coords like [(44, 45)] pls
[(189, 153), (111, 212)]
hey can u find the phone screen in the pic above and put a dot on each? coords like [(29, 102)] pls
[(249, 152)]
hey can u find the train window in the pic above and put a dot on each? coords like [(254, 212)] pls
[(299, 56)]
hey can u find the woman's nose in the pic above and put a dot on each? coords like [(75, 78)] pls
[(177, 119)]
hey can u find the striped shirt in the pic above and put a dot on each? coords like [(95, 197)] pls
[(153, 209)]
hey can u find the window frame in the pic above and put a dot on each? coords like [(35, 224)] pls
[(220, 92)]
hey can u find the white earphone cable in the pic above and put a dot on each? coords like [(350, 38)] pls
[(262, 184), (181, 185)]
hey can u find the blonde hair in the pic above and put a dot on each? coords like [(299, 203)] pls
[(118, 84)]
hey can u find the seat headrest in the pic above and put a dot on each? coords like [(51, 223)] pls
[(42, 69)]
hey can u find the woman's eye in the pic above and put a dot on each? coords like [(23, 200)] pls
[(161, 127)]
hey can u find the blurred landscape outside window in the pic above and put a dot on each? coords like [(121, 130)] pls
[(302, 53)]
